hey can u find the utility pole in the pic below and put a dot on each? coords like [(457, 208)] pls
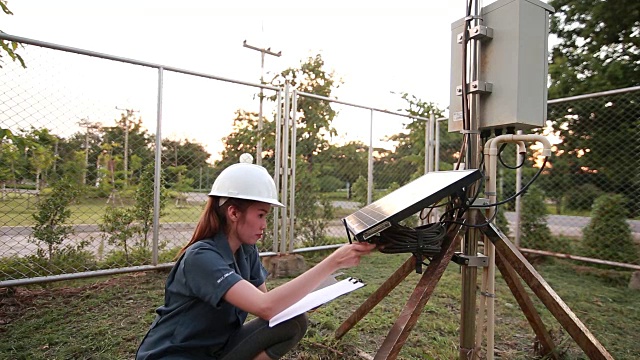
[(126, 143), (262, 53), (85, 123)]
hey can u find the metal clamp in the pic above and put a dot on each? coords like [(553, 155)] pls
[(474, 261), (477, 86), (478, 32)]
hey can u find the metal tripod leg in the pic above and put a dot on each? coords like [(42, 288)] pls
[(569, 321), (418, 299)]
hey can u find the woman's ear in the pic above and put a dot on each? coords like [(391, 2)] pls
[(232, 213)]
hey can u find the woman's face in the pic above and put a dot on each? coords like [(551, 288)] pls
[(252, 223)]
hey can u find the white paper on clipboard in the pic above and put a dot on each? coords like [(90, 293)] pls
[(317, 298)]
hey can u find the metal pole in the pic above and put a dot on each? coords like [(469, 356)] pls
[(126, 149), (285, 168), (370, 162), (518, 198), (429, 142), (157, 177), (292, 201), (427, 136), (437, 146), (277, 167), (262, 53), (470, 248), (87, 125)]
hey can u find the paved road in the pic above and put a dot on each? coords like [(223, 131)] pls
[(14, 240)]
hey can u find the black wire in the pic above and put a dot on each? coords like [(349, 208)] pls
[(522, 191), (424, 240), (489, 221), (504, 164)]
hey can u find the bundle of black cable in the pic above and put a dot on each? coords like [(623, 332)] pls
[(425, 240)]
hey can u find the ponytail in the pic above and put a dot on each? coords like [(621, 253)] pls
[(213, 219)]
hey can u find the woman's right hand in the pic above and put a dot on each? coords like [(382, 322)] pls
[(349, 255)]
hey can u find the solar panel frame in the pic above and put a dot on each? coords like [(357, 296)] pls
[(407, 200)]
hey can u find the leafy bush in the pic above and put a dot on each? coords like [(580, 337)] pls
[(65, 260), (136, 257), (118, 227), (608, 235), (359, 191), (581, 197), (535, 233), (313, 211), (501, 221), (330, 183), (50, 217)]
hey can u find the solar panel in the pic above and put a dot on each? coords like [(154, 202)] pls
[(407, 200)]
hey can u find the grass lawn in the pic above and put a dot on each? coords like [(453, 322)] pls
[(18, 211), (105, 318)]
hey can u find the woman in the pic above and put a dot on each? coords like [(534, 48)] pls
[(219, 279)]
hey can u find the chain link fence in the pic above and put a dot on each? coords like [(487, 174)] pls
[(590, 190), (105, 163)]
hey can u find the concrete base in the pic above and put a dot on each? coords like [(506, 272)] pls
[(288, 265)]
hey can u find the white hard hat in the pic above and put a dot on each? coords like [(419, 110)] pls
[(246, 181)]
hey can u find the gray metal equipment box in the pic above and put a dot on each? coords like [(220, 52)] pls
[(514, 62)]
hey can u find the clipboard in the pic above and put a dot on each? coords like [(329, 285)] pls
[(317, 298)]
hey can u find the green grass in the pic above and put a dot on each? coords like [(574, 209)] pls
[(107, 318), (17, 211)]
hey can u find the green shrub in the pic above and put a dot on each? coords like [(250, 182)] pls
[(312, 212), (359, 191), (535, 233), (608, 235), (135, 257), (330, 183), (581, 197), (64, 260), (501, 221), (50, 217)]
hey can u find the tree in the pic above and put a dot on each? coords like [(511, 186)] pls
[(89, 142), (556, 182), (314, 121), (51, 215), (191, 155), (128, 137), (144, 201), (598, 49), (244, 138), (406, 161), (9, 47), (346, 162), (40, 152)]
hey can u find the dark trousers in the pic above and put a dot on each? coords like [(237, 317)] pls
[(256, 336)]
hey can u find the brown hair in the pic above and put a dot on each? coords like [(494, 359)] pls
[(213, 219)]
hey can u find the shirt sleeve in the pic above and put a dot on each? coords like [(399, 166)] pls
[(208, 276), (258, 272)]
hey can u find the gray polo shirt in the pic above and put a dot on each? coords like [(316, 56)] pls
[(195, 322)]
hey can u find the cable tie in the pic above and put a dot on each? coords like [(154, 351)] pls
[(470, 131), (489, 193), (487, 294)]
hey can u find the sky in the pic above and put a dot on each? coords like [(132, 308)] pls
[(374, 47)]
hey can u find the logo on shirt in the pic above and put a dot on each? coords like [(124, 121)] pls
[(224, 276)]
